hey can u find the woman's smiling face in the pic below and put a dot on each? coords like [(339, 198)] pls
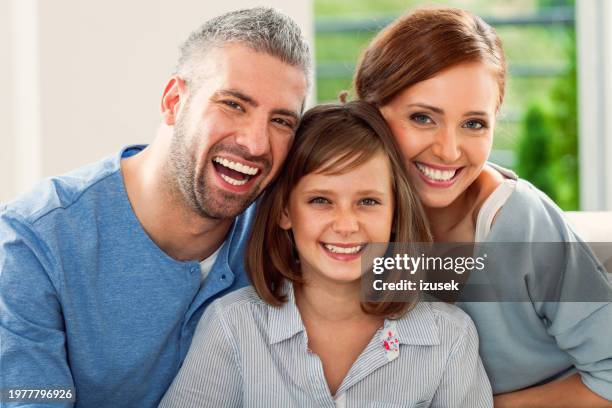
[(444, 128)]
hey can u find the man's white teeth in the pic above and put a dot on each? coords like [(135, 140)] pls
[(242, 168), (343, 250), (435, 174), (234, 182)]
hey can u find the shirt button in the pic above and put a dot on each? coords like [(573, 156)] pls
[(222, 277), (194, 270)]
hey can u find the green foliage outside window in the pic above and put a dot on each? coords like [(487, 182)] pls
[(547, 151)]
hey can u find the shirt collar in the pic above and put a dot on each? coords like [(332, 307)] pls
[(417, 327), (234, 248), (284, 321)]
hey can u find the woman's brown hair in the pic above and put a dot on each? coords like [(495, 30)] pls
[(422, 43), (331, 139)]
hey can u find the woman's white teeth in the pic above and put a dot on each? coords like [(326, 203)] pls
[(435, 174), (343, 250), (234, 182), (242, 168)]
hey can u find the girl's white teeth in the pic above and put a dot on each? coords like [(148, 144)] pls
[(435, 174), (232, 181), (242, 168), (343, 250)]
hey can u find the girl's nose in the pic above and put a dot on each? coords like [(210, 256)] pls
[(345, 222)]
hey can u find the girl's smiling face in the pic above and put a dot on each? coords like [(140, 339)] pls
[(444, 127), (333, 217)]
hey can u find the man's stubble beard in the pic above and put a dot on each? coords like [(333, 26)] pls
[(192, 188)]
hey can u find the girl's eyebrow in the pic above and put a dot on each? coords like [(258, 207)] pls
[(319, 191), (370, 192), (332, 192)]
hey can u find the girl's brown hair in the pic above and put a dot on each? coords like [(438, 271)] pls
[(331, 139), (422, 43)]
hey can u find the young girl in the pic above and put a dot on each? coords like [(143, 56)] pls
[(438, 76), (301, 336)]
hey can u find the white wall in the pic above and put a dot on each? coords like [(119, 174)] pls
[(89, 75), (6, 115)]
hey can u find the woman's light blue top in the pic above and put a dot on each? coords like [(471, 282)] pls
[(523, 344)]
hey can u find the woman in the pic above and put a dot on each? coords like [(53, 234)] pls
[(302, 336), (438, 77)]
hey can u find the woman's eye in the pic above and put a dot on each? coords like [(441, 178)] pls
[(421, 119), (369, 201), (319, 200), (475, 124)]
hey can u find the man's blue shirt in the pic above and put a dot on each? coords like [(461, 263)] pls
[(87, 300)]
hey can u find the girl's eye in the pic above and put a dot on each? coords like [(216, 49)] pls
[(421, 119), (319, 200), (475, 124), (369, 201)]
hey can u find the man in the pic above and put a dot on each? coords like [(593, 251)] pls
[(104, 272)]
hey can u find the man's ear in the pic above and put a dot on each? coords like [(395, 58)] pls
[(174, 94), (285, 220)]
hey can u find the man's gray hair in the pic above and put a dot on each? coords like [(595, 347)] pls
[(262, 29)]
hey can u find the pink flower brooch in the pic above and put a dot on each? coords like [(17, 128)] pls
[(389, 341)]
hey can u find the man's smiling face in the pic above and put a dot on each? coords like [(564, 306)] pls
[(234, 129)]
